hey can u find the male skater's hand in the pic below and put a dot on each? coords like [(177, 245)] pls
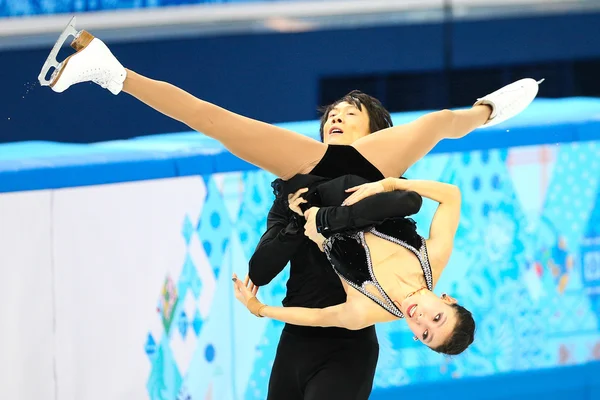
[(310, 228), (295, 199)]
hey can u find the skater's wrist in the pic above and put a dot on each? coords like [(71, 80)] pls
[(255, 306)]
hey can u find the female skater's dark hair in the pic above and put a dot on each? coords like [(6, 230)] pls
[(463, 334), (379, 117)]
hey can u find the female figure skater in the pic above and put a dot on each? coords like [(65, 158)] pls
[(387, 269)]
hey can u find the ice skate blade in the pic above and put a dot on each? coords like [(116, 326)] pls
[(51, 61)]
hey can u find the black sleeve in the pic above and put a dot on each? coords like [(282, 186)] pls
[(284, 235), (368, 212)]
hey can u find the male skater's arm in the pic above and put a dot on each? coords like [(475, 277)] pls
[(277, 245)]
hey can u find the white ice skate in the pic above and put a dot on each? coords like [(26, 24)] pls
[(510, 100), (92, 62)]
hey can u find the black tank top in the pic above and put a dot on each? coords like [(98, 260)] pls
[(338, 161), (342, 160)]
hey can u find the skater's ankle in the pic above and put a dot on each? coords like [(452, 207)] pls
[(486, 110)]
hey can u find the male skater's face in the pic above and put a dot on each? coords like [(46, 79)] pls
[(345, 124)]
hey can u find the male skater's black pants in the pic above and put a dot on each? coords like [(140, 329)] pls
[(324, 364)]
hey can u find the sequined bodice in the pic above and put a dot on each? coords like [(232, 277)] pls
[(351, 258)]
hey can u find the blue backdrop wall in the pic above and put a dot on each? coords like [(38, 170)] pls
[(285, 77)]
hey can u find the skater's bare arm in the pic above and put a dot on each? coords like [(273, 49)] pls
[(356, 313), (444, 223)]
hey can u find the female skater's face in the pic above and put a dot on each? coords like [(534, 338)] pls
[(345, 124), (430, 318)]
